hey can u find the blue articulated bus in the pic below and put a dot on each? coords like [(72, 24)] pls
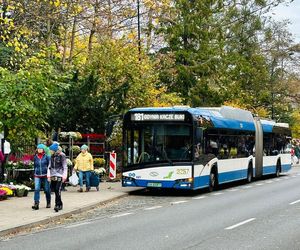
[(193, 148)]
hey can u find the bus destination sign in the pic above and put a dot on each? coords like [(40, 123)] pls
[(157, 117)]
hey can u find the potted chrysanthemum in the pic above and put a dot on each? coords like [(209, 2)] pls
[(3, 195), (8, 191), (22, 190)]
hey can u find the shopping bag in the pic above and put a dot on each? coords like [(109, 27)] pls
[(295, 160), (73, 179)]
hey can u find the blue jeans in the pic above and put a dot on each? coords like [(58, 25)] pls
[(37, 187), (87, 175)]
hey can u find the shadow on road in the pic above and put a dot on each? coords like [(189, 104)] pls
[(160, 192)]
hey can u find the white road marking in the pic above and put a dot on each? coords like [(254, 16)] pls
[(268, 182), (78, 225), (239, 224), (245, 187), (233, 189), (294, 176), (151, 208), (199, 197), (259, 184), (216, 194), (294, 202), (120, 215), (178, 202), (286, 178)]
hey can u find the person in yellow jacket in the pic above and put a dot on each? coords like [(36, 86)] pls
[(84, 163)]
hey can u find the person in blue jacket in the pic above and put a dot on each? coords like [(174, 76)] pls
[(41, 165)]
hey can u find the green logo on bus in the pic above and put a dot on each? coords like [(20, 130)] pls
[(169, 176)]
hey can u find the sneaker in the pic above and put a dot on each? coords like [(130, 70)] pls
[(48, 205), (87, 190), (56, 208), (80, 190)]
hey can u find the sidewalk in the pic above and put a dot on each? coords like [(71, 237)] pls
[(16, 213)]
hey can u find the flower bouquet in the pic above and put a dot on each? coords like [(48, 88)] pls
[(64, 136), (10, 165), (69, 163), (21, 164), (7, 190), (99, 171), (22, 190), (76, 150), (3, 195)]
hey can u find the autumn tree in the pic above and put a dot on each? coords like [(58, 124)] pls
[(113, 81), (27, 99)]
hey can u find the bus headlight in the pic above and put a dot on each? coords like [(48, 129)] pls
[(128, 181), (185, 182), (189, 180)]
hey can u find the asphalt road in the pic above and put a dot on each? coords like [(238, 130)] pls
[(261, 215)]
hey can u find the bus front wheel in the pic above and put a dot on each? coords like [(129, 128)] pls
[(277, 173), (249, 174), (213, 181)]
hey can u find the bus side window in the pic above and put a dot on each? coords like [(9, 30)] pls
[(224, 152), (233, 152), (213, 147)]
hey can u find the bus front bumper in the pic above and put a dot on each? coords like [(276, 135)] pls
[(177, 184)]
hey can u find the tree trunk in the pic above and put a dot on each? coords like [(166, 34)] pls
[(149, 30), (64, 47), (92, 33), (48, 38), (93, 29), (72, 40), (109, 20)]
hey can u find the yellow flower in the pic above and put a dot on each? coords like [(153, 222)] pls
[(9, 192)]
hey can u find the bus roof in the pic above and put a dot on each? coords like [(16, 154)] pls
[(221, 117)]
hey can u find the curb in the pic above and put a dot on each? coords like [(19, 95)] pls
[(20, 228)]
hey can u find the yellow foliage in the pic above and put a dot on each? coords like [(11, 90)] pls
[(295, 127), (261, 112), (235, 104)]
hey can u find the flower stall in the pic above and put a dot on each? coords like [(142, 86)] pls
[(71, 142)]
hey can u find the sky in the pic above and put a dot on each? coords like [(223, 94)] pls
[(291, 12)]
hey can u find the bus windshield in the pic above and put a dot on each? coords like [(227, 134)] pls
[(152, 143)]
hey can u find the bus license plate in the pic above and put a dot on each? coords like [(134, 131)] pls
[(154, 184)]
